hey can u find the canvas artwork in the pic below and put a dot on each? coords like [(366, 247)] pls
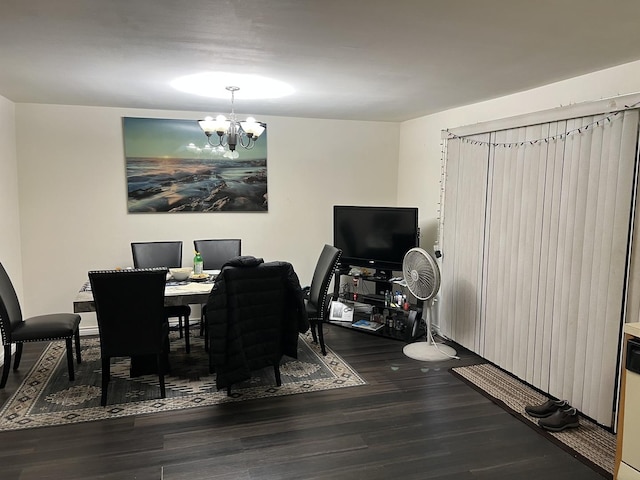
[(170, 167)]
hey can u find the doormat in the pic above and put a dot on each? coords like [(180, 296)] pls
[(46, 397), (590, 443)]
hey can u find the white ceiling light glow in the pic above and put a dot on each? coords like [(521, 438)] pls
[(231, 133), (213, 85)]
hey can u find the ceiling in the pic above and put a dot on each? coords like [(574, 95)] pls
[(346, 59)]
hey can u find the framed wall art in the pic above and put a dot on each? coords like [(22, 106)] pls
[(170, 167)]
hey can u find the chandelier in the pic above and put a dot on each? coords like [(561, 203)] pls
[(231, 133)]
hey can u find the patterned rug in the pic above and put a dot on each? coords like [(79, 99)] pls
[(590, 443), (46, 397)]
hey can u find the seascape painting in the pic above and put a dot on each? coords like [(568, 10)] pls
[(170, 167)]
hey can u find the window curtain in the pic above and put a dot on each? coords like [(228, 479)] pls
[(542, 278), (463, 239)]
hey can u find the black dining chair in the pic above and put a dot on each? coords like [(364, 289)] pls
[(316, 301), (215, 253), (131, 319), (42, 328), (255, 312), (168, 255)]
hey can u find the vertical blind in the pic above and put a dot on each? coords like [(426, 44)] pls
[(535, 243), (464, 209)]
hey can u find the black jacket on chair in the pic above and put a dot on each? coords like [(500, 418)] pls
[(254, 314)]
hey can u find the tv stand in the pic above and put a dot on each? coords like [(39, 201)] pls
[(370, 306)]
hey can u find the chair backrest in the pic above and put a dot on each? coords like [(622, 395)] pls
[(130, 310), (10, 312), (322, 275), (217, 252), (263, 289), (157, 254)]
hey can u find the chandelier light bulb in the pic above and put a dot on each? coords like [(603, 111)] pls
[(231, 133)]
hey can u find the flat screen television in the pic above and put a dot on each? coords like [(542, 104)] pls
[(375, 237)]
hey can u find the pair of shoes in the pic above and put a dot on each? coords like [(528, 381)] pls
[(547, 408), (561, 419)]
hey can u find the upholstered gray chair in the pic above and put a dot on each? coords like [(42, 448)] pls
[(168, 255), (131, 318), (43, 328), (316, 302)]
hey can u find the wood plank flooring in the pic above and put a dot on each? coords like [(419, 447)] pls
[(412, 420)]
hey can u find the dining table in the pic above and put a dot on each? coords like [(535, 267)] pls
[(185, 292)]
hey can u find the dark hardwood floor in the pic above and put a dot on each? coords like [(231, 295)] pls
[(412, 420)]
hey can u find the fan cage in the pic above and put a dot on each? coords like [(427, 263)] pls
[(421, 273)]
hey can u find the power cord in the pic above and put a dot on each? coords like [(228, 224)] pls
[(431, 340)]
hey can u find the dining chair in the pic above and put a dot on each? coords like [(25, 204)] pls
[(215, 253), (131, 319), (168, 255), (255, 312), (41, 328), (157, 254), (316, 300)]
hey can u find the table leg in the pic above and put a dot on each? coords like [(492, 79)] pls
[(187, 345)]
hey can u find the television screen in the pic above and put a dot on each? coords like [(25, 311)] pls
[(376, 237)]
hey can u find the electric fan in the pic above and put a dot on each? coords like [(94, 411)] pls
[(422, 275)]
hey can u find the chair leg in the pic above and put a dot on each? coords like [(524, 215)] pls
[(7, 365), (18, 357), (78, 354), (72, 375), (204, 331), (163, 392), (106, 374), (203, 311), (321, 336), (313, 330), (187, 345), (179, 325), (276, 370)]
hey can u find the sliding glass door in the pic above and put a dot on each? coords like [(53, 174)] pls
[(535, 248)]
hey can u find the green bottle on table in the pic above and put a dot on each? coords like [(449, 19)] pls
[(197, 264)]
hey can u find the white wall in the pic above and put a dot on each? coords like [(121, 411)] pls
[(72, 190), (9, 210), (420, 139), (10, 252)]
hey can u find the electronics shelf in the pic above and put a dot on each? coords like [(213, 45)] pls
[(371, 313)]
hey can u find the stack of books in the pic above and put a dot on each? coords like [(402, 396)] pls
[(367, 325)]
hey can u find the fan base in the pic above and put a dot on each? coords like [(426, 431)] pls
[(428, 352)]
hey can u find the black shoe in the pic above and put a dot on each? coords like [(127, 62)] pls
[(561, 419), (546, 409)]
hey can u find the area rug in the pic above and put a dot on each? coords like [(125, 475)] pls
[(590, 443), (46, 397)]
